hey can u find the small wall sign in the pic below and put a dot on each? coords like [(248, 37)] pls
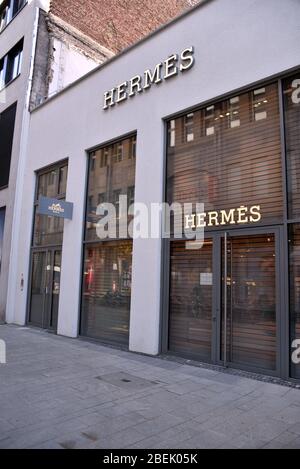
[(55, 208), (166, 69)]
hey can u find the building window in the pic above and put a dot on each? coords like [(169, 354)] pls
[(106, 288), (52, 183), (8, 10), (259, 104), (116, 201), (294, 263), (209, 121), (235, 167), (7, 126), (291, 88), (172, 133), (62, 184), (101, 198), (4, 15), (108, 179), (107, 291), (92, 161), (91, 207), (10, 65), (104, 158), (118, 152), (189, 127), (132, 148), (130, 195), (233, 113)]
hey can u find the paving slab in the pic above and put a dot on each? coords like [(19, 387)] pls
[(61, 393)]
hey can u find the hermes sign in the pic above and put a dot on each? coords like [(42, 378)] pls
[(55, 208), (234, 216), (166, 69)]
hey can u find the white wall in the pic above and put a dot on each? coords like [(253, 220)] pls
[(236, 43), (67, 65), (22, 26)]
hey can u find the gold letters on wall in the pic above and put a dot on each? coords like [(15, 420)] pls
[(235, 216)]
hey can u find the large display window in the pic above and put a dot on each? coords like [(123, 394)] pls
[(106, 288), (228, 300), (228, 155), (291, 89)]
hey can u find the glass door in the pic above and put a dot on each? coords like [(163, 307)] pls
[(191, 300), (38, 288), (249, 301), (45, 289), (54, 290), (225, 300)]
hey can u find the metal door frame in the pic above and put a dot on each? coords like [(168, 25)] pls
[(280, 335), (282, 320), (47, 305)]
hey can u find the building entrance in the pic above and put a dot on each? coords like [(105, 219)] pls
[(45, 288), (224, 303)]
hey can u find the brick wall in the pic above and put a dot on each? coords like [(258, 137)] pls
[(117, 24)]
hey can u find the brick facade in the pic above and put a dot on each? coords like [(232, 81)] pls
[(117, 24)]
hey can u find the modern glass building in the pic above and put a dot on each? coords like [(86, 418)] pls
[(205, 114)]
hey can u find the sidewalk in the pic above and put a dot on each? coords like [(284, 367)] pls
[(62, 393)]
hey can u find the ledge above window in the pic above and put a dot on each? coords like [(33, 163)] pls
[(9, 83)]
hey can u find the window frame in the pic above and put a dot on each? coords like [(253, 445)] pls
[(14, 105), (112, 154), (57, 166), (13, 8), (11, 66)]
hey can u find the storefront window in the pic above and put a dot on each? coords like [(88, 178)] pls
[(111, 174), (106, 289), (222, 296), (294, 261), (48, 231), (228, 155), (292, 126), (191, 284)]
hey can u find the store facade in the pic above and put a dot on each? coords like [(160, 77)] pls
[(227, 301), (227, 140)]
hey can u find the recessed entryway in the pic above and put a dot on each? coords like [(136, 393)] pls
[(224, 303)]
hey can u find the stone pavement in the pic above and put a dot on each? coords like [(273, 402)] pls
[(63, 393)]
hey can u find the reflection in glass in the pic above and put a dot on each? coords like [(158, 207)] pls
[(107, 291), (292, 120), (233, 157), (47, 183), (111, 174), (294, 255), (40, 273), (251, 301), (55, 289), (63, 176), (48, 231), (191, 300)]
